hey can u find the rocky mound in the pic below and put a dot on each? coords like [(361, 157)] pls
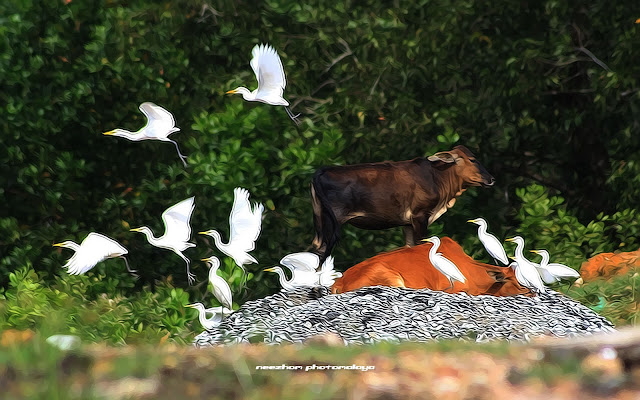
[(381, 313)]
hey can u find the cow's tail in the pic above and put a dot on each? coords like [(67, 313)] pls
[(324, 219)]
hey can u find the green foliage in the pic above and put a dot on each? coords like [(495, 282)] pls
[(89, 307), (617, 298), (541, 91)]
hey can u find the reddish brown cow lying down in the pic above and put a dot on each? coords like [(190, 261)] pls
[(411, 268)]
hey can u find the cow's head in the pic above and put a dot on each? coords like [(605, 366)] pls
[(470, 171)]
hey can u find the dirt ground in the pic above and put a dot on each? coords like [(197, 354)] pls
[(318, 370)]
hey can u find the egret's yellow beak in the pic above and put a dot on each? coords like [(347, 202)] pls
[(534, 251), (109, 133), (204, 233), (232, 91), (205, 259), (269, 269), (427, 240), (191, 305), (471, 220), (57, 244), (509, 240), (135, 229)]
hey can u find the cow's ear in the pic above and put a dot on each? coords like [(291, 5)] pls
[(444, 156)]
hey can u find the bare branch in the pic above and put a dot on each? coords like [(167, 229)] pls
[(347, 53), (559, 92), (210, 10), (593, 57)]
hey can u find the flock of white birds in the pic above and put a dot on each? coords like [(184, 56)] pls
[(245, 220), (528, 273)]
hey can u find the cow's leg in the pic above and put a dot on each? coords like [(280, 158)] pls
[(419, 229), (318, 241), (325, 221), (408, 235)]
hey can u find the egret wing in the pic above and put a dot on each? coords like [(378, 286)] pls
[(450, 268), (160, 122), (176, 220), (94, 249), (244, 223), (302, 261), (495, 248), (268, 68), (562, 271)]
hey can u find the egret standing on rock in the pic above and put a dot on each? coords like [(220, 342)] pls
[(245, 224), (525, 270), (554, 272), (214, 320), (160, 124), (93, 249), (269, 72), (303, 266), (177, 230), (442, 264), (490, 242), (220, 289)]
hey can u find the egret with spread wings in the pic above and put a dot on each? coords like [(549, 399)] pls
[(267, 67), (245, 223), (93, 249), (160, 124), (177, 231)]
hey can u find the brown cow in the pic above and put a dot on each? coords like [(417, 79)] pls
[(412, 194), (411, 268)]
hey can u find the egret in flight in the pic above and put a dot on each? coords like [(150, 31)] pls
[(220, 289), (525, 270), (215, 319), (176, 231), (245, 223), (93, 249), (160, 124), (294, 282), (269, 72), (490, 242), (303, 267), (442, 264), (554, 272)]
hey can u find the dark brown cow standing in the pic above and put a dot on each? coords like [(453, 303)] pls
[(412, 194)]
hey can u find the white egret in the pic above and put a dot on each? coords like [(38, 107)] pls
[(442, 264), (554, 272), (303, 266), (245, 224), (176, 231), (160, 124), (292, 283), (93, 249), (328, 275), (267, 67), (215, 319), (490, 242), (525, 270), (220, 289)]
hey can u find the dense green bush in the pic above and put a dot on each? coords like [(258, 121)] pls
[(543, 92), (73, 306)]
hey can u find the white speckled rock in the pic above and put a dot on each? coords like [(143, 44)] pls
[(381, 313)]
